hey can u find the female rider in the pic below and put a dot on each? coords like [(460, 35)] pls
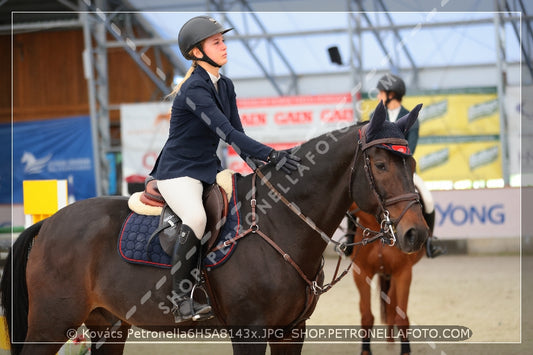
[(204, 111)]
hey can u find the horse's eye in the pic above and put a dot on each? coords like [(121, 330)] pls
[(380, 165)]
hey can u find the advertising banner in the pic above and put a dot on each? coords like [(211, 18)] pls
[(459, 132), (459, 136), (278, 122), (49, 150), (456, 161), (477, 213), (452, 114), (294, 118), (144, 131)]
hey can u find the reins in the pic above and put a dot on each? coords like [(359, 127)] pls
[(387, 231), (254, 228)]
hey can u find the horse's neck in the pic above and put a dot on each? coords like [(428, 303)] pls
[(323, 191), (319, 189)]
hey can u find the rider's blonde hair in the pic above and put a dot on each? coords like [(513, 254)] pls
[(187, 76)]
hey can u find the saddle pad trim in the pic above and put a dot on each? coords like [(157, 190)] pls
[(135, 261)]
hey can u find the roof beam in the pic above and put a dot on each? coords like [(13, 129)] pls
[(251, 52), (400, 40), (273, 44), (333, 31), (526, 36)]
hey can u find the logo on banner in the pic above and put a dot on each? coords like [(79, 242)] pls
[(433, 111), (482, 110), (434, 159), (460, 215), (33, 165), (483, 157)]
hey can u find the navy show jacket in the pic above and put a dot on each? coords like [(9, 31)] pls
[(200, 117)]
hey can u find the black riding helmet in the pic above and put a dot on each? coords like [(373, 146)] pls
[(392, 83), (195, 31)]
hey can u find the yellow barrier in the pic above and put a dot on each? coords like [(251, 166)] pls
[(43, 198), (4, 336)]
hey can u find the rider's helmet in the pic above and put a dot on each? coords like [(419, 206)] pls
[(195, 31), (392, 83)]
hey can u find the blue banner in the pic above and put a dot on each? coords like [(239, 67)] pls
[(51, 149)]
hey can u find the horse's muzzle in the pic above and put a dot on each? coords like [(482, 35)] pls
[(413, 239)]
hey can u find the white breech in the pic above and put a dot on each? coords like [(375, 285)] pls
[(425, 194), (184, 196)]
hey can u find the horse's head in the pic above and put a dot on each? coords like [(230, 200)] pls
[(382, 179)]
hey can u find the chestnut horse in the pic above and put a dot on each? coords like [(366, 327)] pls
[(394, 270), (65, 271)]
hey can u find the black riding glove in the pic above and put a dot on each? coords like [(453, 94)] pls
[(284, 160), (254, 163)]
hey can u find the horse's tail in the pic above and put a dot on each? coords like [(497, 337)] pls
[(14, 288), (384, 285)]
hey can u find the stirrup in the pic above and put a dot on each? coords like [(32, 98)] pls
[(204, 313), (195, 314), (197, 311)]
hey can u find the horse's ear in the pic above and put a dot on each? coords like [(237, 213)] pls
[(380, 115), (407, 121)]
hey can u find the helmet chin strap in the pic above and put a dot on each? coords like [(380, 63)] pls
[(206, 59), (389, 99)]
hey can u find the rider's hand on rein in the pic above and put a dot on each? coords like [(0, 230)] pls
[(284, 160)]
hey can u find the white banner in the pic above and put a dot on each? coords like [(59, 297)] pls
[(280, 122), (520, 131), (144, 131), (479, 213)]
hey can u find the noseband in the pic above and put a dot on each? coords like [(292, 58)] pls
[(387, 225)]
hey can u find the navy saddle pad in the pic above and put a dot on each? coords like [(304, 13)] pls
[(137, 229)]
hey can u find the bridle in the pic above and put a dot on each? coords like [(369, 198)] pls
[(387, 233)]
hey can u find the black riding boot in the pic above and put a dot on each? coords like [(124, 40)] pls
[(432, 251), (351, 229), (187, 251)]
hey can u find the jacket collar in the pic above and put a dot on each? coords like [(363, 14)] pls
[(205, 76)]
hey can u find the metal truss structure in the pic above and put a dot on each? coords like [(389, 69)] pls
[(100, 18)]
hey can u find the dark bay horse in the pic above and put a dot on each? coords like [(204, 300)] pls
[(394, 270), (65, 271)]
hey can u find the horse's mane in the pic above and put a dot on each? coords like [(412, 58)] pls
[(329, 136), (329, 139)]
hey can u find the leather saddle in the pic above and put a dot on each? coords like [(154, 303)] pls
[(216, 208)]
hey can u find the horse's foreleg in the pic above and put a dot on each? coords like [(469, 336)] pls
[(363, 281), (108, 333), (401, 283), (390, 302), (289, 343), (247, 347)]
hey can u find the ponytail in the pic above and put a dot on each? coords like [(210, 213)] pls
[(187, 76)]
